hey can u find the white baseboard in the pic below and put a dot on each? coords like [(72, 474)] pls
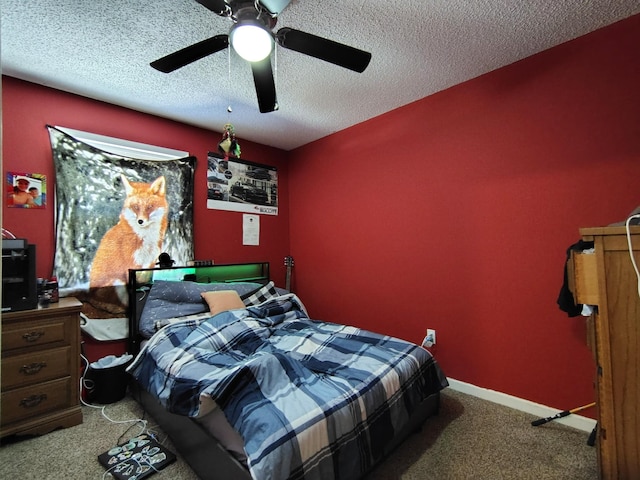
[(541, 411)]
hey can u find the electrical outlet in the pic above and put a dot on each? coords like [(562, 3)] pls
[(430, 339)]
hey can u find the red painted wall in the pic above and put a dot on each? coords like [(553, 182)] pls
[(28, 108), (455, 212), (452, 213)]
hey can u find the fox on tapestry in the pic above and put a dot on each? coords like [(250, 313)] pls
[(134, 242)]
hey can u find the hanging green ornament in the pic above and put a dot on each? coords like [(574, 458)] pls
[(229, 146)]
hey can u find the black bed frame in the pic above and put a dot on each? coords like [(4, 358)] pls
[(141, 280), (203, 453)]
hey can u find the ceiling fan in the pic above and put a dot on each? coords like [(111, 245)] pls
[(258, 17)]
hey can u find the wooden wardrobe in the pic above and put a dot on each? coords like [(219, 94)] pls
[(607, 279)]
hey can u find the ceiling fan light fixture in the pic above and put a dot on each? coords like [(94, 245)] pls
[(251, 40)]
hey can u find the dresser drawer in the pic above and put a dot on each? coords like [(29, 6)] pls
[(29, 334), (37, 399), (29, 368), (40, 369), (582, 276)]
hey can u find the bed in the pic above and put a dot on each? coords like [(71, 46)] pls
[(249, 386)]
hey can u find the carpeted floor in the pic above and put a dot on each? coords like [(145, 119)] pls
[(471, 438)]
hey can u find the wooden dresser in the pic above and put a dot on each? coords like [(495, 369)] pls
[(41, 369), (607, 279)]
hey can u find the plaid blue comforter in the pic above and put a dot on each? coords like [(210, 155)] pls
[(311, 399)]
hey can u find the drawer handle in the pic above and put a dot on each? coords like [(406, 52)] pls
[(32, 368), (33, 400), (32, 336)]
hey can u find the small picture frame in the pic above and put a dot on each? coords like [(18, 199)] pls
[(26, 190)]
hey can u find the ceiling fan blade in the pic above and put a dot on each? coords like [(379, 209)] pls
[(190, 54), (275, 6), (265, 85), (324, 49), (216, 6)]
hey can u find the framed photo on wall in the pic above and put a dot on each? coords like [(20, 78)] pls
[(26, 190), (241, 186)]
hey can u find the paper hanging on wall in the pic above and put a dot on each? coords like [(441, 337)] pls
[(250, 229)]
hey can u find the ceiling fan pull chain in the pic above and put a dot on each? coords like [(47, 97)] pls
[(229, 108)]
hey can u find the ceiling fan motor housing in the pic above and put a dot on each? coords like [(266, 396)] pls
[(244, 10)]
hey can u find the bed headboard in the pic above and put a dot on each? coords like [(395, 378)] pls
[(141, 280)]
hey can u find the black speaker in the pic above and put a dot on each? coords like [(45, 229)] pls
[(19, 289)]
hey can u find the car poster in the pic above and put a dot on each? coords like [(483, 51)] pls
[(241, 186)]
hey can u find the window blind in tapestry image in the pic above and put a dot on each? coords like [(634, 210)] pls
[(241, 186)]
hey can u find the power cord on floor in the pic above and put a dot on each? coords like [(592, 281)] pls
[(88, 384), (124, 439)]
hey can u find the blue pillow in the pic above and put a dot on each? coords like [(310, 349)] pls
[(177, 299)]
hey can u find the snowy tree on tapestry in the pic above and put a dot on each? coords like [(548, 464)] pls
[(115, 213)]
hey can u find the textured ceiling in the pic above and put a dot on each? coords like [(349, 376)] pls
[(102, 49)]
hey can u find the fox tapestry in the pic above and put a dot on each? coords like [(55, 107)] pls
[(115, 213)]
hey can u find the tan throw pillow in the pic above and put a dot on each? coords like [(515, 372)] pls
[(222, 300)]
